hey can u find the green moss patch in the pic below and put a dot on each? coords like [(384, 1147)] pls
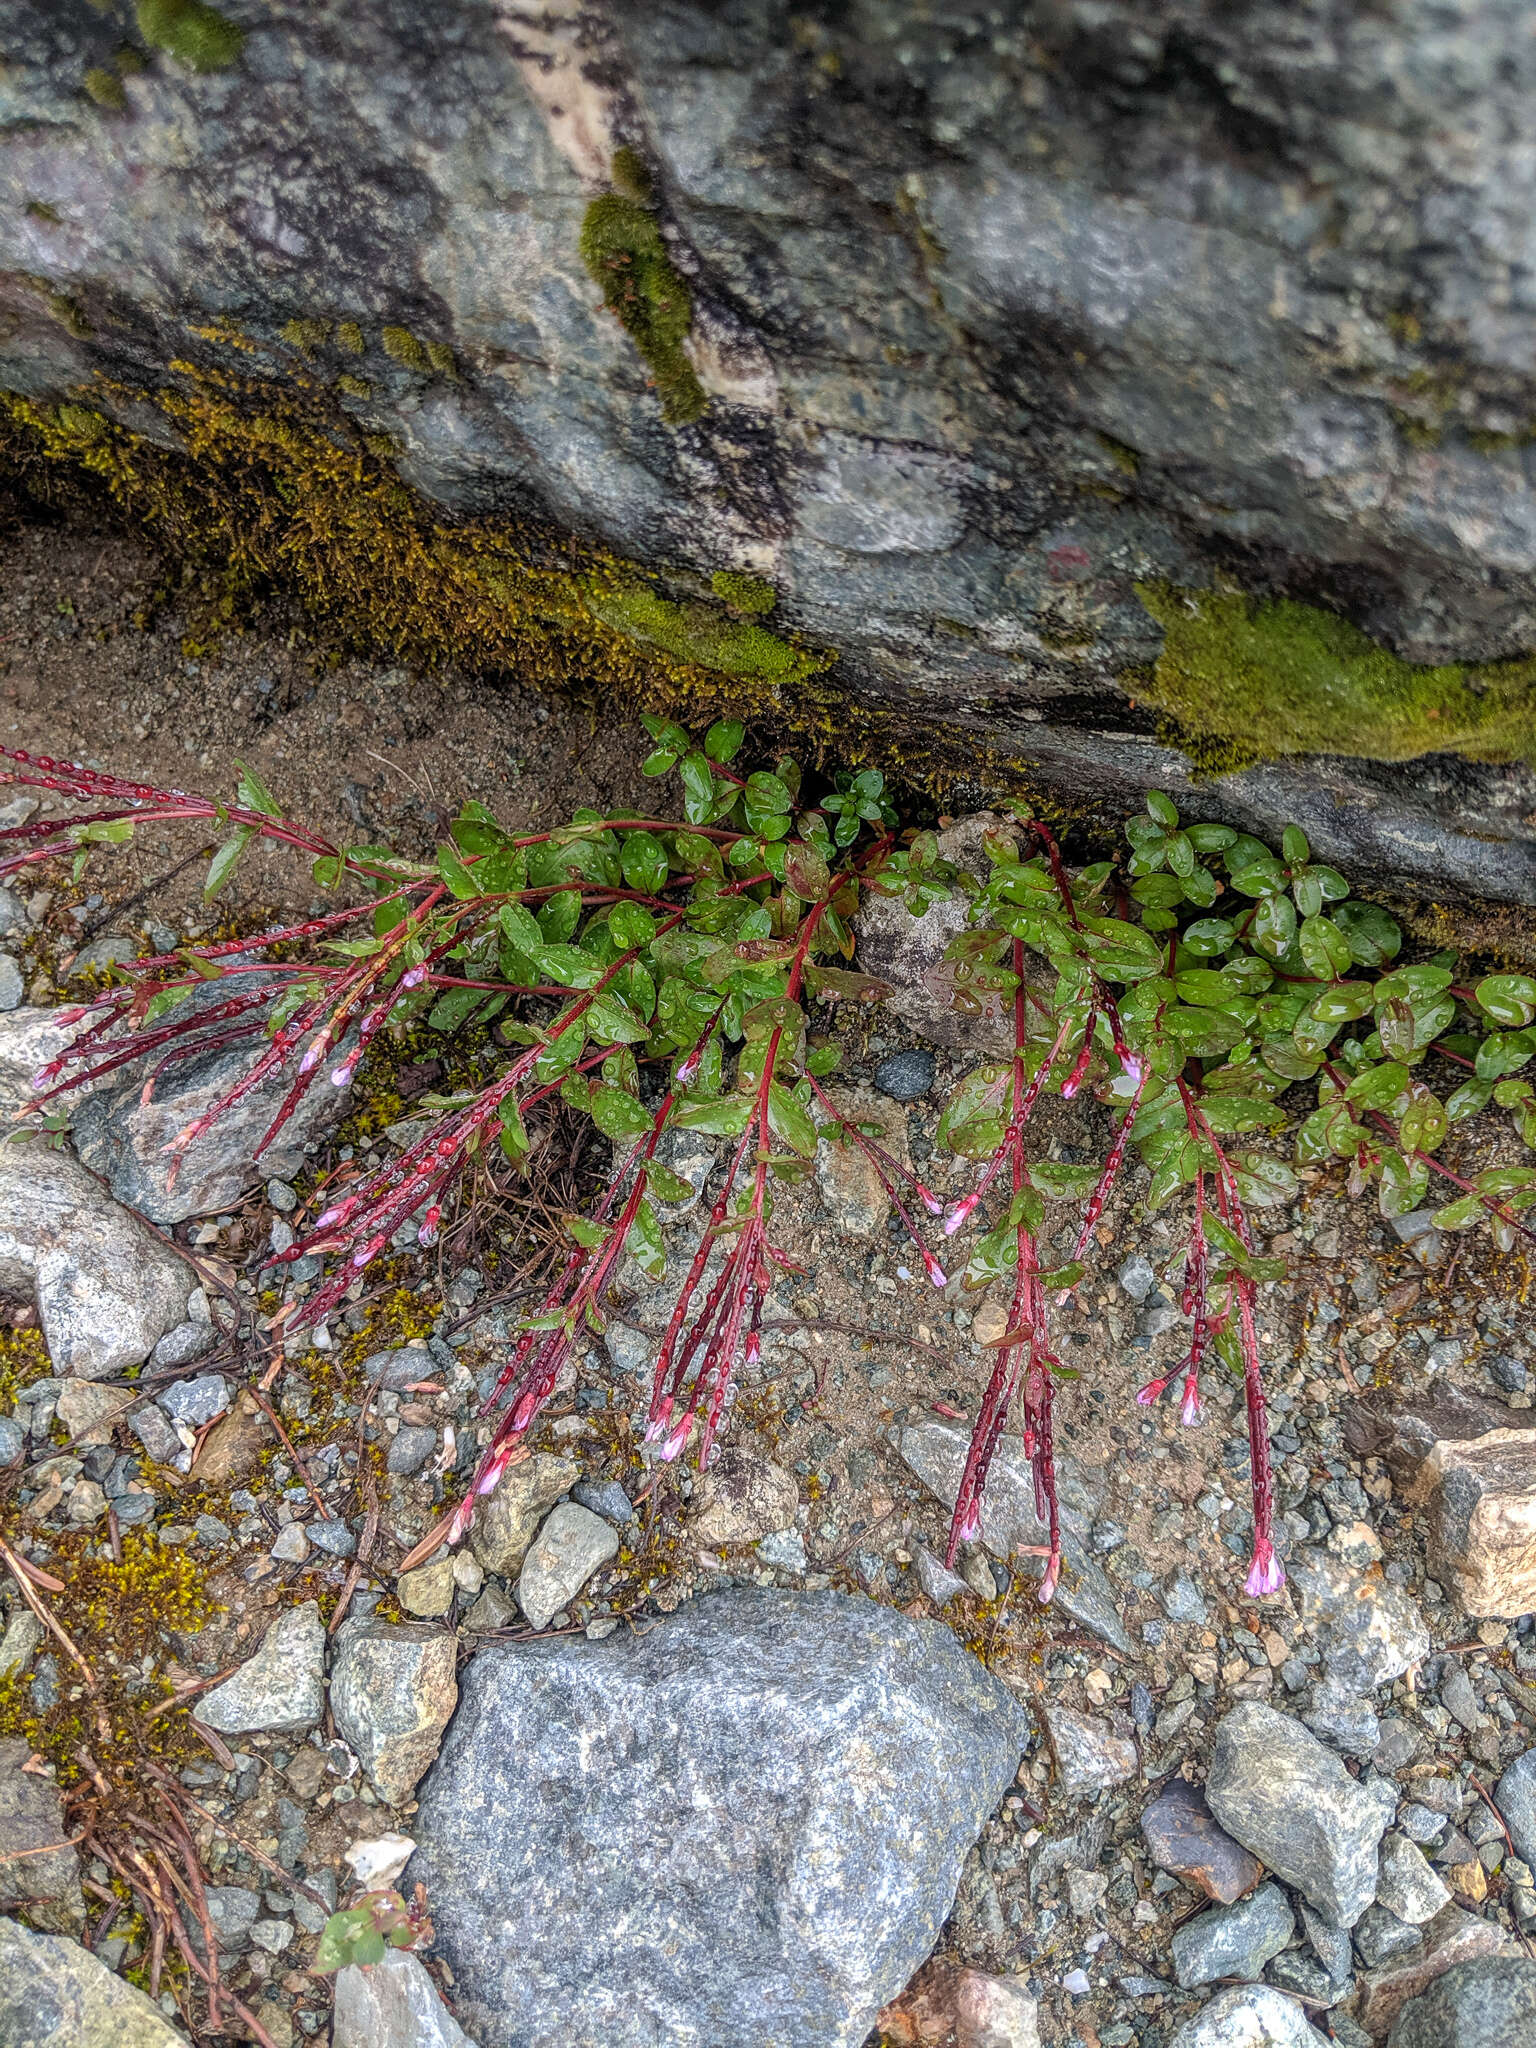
[(698, 633), (622, 248), (1247, 681), (196, 35)]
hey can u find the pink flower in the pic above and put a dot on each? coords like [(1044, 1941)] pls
[(1152, 1391), (1265, 1574), (341, 1077), (970, 1526), (958, 1214), (413, 977), (1191, 1414), (935, 1271), (1048, 1582)]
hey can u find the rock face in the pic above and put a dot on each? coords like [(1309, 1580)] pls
[(392, 1691), (1482, 1530), (1075, 303), (1249, 2016), (107, 1290), (1233, 1941), (1491, 2004), (31, 1819), (1275, 1788), (52, 1990), (685, 1837)]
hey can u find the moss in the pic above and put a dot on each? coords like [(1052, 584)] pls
[(59, 304), (105, 88), (307, 335), (1278, 677), (631, 176), (350, 337), (1120, 454), (440, 356), (39, 209), (622, 248), (401, 346), (354, 387), (196, 35), (23, 1359), (753, 595), (696, 632)]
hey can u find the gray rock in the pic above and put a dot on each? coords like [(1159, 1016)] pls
[(1406, 1885), (784, 1550), (196, 1401), (1457, 1696), (1233, 1941), (106, 1288), (13, 1443), (1517, 1803), (334, 1537), (395, 1370), (569, 1547), (1452, 1938), (392, 2004), (1366, 1630), (409, 1449), (53, 1991), (429, 1590), (936, 1453), (1136, 1276), (1422, 1824), (1342, 1719), (1380, 1937), (939, 1584), (392, 1693), (12, 987), (1249, 2016), (995, 2012), (155, 1433), (281, 1690), (787, 1739), (492, 1610), (1091, 1753), (1182, 1599), (273, 1936), (505, 1521), (1486, 2004), (1293, 1970), (126, 1139), (31, 1818), (1329, 1942), (607, 1499), (742, 1498), (180, 1346), (1275, 1788), (909, 954), (233, 1912), (905, 1076), (291, 1545), (23, 1633)]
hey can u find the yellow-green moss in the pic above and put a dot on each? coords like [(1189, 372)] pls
[(1120, 454), (196, 35), (23, 1359), (105, 88), (696, 632), (401, 346), (354, 387), (743, 593), (350, 337), (622, 248), (1261, 679), (440, 356), (307, 335)]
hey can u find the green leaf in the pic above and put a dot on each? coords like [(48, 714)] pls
[(1293, 845), (163, 1000), (632, 926), (589, 1235), (1461, 1214), (461, 883), (1059, 1182), (1231, 1115), (1264, 877), (1203, 1033), (1468, 1100), (662, 762), (698, 789), (767, 793), (1208, 986), (1422, 1125), (455, 1006), (1324, 947), (1507, 999), (645, 1243), (1378, 1087), (252, 794), (1403, 1182), (790, 1121), (1504, 1052), (612, 1022), (975, 1117), (806, 872), (222, 866), (520, 928), (723, 1116), (1162, 809), (1274, 926), (568, 965), (1371, 933), (723, 740), (643, 860)]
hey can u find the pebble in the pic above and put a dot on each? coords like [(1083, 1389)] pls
[(570, 1546), (906, 1076), (1182, 1836), (333, 1537), (1233, 1941), (272, 1935), (939, 1584), (1380, 1937), (1275, 1788), (1136, 1276), (393, 1691), (1367, 1631), (410, 1449), (12, 987), (1517, 1802), (281, 1689), (1344, 1720), (1252, 2015), (1487, 2004), (1407, 1886), (1182, 1599), (13, 1443), (379, 1859), (283, 1198), (194, 1401), (180, 1346), (428, 1591), (506, 1521), (1091, 1755), (392, 2004), (606, 1498), (784, 1551), (292, 1545), (1421, 1824)]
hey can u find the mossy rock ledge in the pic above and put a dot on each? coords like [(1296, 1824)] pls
[(1047, 400)]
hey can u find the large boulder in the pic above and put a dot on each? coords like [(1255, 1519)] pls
[(53, 1991), (746, 1823), (1024, 353)]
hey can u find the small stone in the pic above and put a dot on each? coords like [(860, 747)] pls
[(89, 1410), (379, 1859), (743, 1498), (13, 1443), (23, 1633), (1517, 1803), (1342, 1719), (607, 1499), (333, 1537), (1421, 1824), (1407, 1886), (1330, 1944), (1233, 1941), (468, 1573), (1294, 1971), (291, 1546), (784, 1551), (233, 1912), (939, 1584), (1275, 1788), (280, 1690), (1183, 1837), (850, 1182), (392, 1692), (1136, 1276), (1453, 1936), (506, 1521), (1485, 2004), (429, 1590), (392, 2004), (87, 1503), (1482, 1520), (1458, 1697), (492, 1610), (195, 1401), (180, 1346), (1182, 1599), (1380, 1937), (410, 1449), (1091, 1755), (284, 1199), (32, 1819), (994, 2012), (393, 1371), (905, 1076), (1366, 1630), (156, 1434), (272, 1935), (12, 987), (1249, 2016), (569, 1548)]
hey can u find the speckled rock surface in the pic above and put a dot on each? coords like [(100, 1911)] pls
[(685, 1836), (998, 314)]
